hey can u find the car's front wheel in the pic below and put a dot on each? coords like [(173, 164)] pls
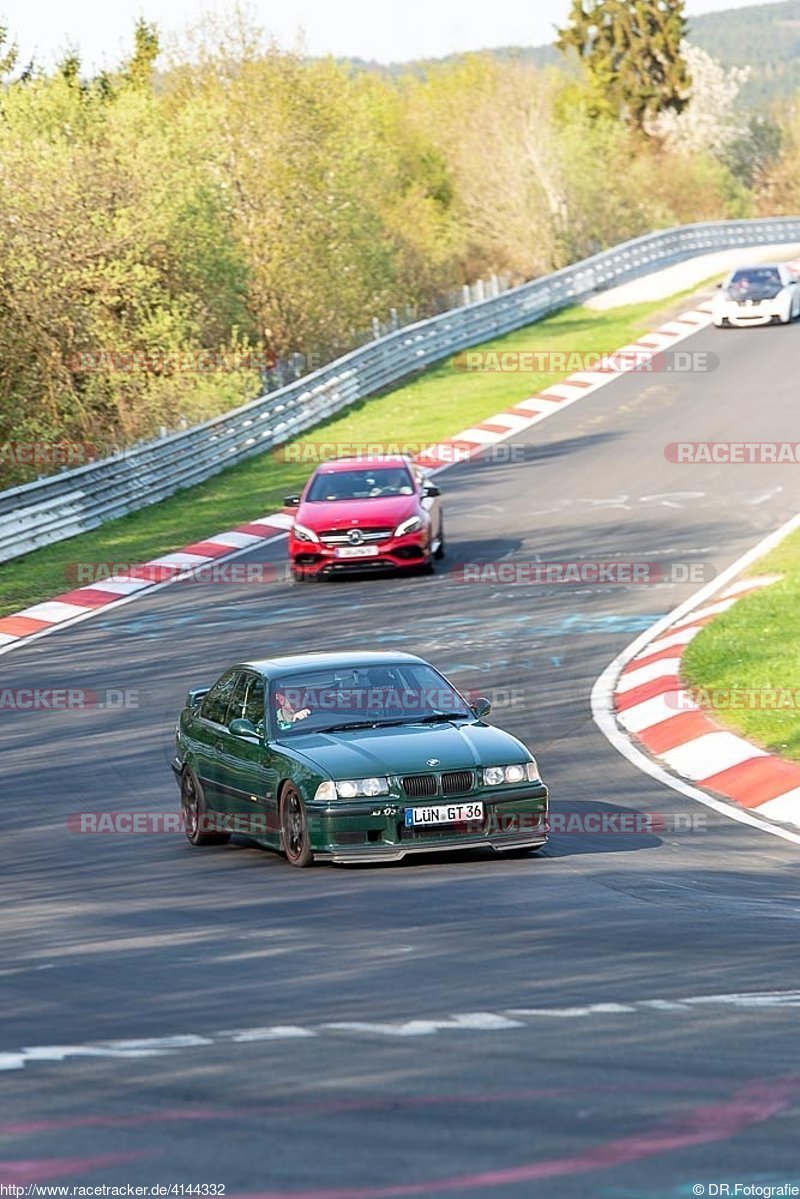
[(441, 549), (195, 813), (294, 828)]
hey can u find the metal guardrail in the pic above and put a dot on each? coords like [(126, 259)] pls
[(75, 501)]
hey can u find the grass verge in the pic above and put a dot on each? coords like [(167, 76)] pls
[(752, 650), (439, 403)]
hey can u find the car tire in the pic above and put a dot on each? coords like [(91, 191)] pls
[(295, 840), (442, 550), (195, 813)]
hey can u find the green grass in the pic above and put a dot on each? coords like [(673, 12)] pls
[(437, 404), (755, 645)]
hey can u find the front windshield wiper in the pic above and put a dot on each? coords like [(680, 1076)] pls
[(437, 716), (433, 718), (350, 724)]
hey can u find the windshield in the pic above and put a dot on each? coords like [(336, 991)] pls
[(363, 696), (367, 484), (759, 276)]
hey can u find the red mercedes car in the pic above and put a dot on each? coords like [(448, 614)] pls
[(359, 514)]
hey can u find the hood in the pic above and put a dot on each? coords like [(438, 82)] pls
[(406, 749), (351, 514)]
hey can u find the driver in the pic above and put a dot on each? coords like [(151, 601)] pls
[(286, 714)]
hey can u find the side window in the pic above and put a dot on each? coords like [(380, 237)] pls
[(215, 704), (254, 702), (237, 701)]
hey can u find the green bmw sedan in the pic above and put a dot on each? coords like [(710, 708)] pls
[(352, 757)]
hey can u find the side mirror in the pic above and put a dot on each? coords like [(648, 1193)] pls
[(482, 707), (194, 695), (291, 501), (430, 490), (242, 728), (718, 285)]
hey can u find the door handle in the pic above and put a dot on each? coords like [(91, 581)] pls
[(218, 745)]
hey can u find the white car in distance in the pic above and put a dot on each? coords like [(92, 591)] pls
[(757, 295)]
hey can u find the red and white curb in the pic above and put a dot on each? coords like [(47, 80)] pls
[(639, 700), (84, 602)]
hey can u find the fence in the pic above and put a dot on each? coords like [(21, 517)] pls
[(74, 501)]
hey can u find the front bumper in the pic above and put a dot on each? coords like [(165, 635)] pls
[(762, 312), (309, 558), (374, 830)]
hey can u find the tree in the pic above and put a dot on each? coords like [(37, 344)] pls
[(8, 53), (710, 123), (632, 51), (146, 51)]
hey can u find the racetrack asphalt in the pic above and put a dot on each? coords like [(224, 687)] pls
[(598, 1075)]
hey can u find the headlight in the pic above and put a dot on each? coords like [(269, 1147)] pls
[(494, 776), (412, 525), (304, 534), (351, 789)]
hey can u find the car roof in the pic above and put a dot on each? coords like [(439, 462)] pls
[(270, 667), (364, 462)]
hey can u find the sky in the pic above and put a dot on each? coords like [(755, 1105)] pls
[(391, 31)]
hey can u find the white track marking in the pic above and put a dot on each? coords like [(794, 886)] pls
[(233, 539), (278, 1032), (54, 611), (180, 559), (656, 710), (480, 436), (751, 584), (474, 1021), (703, 756), (538, 404), (706, 610), (508, 1020), (602, 697), (118, 585), (782, 807), (568, 390), (648, 674), (682, 637), (510, 421)]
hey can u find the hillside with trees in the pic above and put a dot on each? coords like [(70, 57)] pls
[(170, 228)]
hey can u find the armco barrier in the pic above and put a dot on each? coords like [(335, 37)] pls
[(74, 501)]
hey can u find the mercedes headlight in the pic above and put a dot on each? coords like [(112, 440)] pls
[(412, 525), (304, 534)]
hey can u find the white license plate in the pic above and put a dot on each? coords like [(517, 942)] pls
[(450, 813), (357, 551)]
